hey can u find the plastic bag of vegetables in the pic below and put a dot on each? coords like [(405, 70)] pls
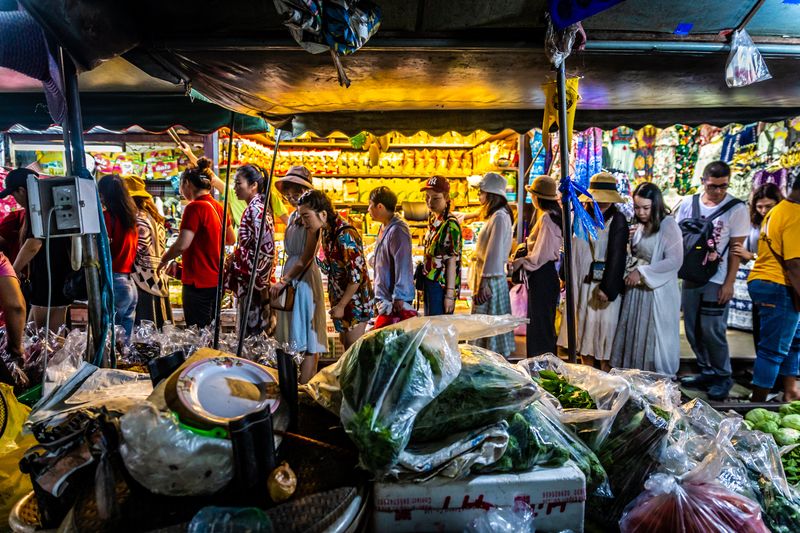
[(487, 390), (384, 380), (586, 398), (538, 438)]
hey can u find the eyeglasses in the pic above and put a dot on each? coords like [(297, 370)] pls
[(712, 187)]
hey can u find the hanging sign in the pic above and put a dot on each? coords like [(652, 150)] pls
[(550, 123), (566, 12)]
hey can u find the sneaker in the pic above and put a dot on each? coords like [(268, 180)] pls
[(698, 381), (719, 391)]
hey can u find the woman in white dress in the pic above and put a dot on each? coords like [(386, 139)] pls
[(599, 267), (303, 327), (648, 337)]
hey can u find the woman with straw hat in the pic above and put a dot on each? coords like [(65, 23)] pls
[(541, 275), (151, 285), (490, 295), (304, 326), (599, 267)]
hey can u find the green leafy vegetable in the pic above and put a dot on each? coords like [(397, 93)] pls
[(786, 436), (791, 421), (792, 408), (760, 414), (768, 426), (486, 391), (569, 396), (791, 466)]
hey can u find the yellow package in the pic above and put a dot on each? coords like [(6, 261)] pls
[(13, 445)]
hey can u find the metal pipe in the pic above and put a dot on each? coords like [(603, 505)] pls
[(686, 47), (220, 289), (257, 251), (565, 211), (74, 123)]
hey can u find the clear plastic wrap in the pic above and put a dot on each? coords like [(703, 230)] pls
[(636, 443), (487, 390), (745, 65), (517, 519), (169, 460), (609, 393), (538, 438), (388, 376)]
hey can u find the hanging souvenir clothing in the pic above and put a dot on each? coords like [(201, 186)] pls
[(625, 189), (555, 154), (736, 136), (744, 165), (645, 153), (771, 141), (778, 176), (709, 138), (793, 126), (588, 151), (664, 158), (685, 158), (622, 151)]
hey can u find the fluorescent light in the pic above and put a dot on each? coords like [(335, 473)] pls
[(105, 148)]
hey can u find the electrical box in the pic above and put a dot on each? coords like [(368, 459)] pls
[(68, 205)]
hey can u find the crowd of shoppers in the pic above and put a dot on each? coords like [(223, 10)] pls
[(631, 281)]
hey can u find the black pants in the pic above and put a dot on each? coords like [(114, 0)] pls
[(544, 290), (198, 305)]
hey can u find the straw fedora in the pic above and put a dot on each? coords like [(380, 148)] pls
[(135, 186), (603, 188), (299, 175), (544, 187)]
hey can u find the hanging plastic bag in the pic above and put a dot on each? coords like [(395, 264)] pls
[(745, 65), (519, 306), (169, 460), (517, 519), (13, 445), (386, 378), (609, 393), (487, 390)]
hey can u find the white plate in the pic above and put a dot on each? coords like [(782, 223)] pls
[(221, 389)]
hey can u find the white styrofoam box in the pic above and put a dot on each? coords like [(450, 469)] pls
[(556, 495)]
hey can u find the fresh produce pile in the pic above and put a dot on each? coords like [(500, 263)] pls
[(791, 465), (486, 391), (569, 396), (784, 425)]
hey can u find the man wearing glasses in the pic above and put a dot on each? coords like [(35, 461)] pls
[(705, 305)]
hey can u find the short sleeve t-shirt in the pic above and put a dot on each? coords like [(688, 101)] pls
[(734, 223), (781, 230), (123, 244), (203, 217)]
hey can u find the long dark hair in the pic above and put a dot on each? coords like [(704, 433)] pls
[(768, 190), (117, 200), (658, 209), (254, 175), (494, 203), (317, 201), (200, 175), (146, 204)]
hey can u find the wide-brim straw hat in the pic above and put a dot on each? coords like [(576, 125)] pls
[(544, 187), (299, 175), (603, 188)]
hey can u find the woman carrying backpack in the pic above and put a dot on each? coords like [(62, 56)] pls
[(648, 333)]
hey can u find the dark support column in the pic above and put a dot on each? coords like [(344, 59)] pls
[(565, 210)]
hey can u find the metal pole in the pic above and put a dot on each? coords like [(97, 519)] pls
[(74, 124), (257, 251), (220, 289), (565, 211)]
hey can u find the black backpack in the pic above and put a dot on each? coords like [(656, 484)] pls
[(697, 233)]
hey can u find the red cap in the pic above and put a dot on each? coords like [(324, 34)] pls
[(437, 184)]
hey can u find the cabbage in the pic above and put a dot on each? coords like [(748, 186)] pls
[(792, 408), (756, 416), (786, 436), (791, 421), (768, 426)]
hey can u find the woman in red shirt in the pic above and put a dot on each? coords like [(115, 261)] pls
[(120, 216), (199, 242)]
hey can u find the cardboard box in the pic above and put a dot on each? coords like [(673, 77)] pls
[(556, 495)]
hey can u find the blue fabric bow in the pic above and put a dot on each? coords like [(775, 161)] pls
[(584, 225)]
